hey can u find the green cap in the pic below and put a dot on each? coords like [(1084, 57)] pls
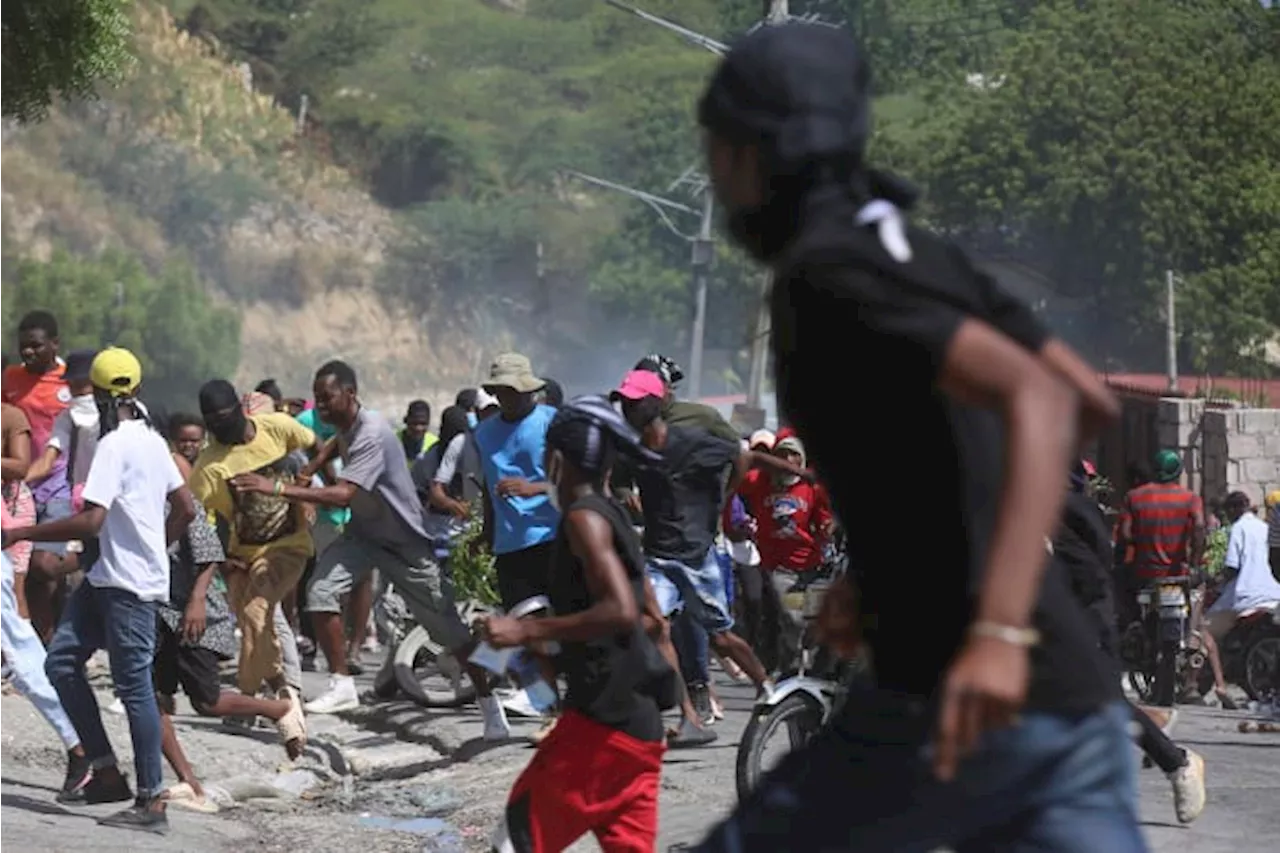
[(1168, 465)]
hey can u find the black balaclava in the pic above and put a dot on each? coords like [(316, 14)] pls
[(802, 93), (218, 396)]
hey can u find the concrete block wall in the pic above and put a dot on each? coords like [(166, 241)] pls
[(1240, 451), (1180, 426)]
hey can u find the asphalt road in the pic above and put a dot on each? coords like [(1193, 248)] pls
[(410, 762)]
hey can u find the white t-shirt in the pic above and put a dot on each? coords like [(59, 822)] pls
[(132, 477), (449, 459), (1253, 586)]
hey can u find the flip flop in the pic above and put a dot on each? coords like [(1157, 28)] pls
[(183, 796)]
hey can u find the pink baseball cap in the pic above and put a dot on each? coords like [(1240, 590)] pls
[(639, 384)]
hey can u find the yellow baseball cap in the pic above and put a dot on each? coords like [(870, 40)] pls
[(116, 371), (1273, 498)]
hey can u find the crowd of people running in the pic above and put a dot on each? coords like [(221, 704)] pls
[(656, 533), (222, 527)]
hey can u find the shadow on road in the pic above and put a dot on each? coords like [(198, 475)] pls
[(31, 785), (30, 804)]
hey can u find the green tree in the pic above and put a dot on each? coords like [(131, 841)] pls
[(59, 48), (169, 321), (1128, 137)]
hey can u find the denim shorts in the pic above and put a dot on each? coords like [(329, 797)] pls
[(52, 510), (699, 589)]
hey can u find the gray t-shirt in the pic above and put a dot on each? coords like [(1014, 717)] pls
[(386, 509)]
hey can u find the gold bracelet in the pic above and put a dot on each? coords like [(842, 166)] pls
[(1023, 637)]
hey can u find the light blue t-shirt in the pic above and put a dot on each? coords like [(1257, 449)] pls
[(337, 516), (517, 450)]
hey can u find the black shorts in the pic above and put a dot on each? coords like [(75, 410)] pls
[(525, 573), (194, 668)]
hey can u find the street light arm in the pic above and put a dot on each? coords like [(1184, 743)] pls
[(657, 203), (694, 38)]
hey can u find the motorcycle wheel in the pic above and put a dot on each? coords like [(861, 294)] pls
[(1262, 668), (419, 671), (423, 677), (802, 717)]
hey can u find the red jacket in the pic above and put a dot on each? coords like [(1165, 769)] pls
[(792, 521)]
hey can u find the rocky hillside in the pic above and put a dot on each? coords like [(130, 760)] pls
[(187, 163)]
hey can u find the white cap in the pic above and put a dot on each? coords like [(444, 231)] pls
[(762, 436)]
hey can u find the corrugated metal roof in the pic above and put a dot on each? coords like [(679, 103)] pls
[(1266, 391)]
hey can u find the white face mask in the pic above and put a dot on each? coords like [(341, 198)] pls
[(84, 405)]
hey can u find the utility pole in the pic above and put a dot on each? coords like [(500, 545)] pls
[(775, 12), (703, 254), (1170, 331)]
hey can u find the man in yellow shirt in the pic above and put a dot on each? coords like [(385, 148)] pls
[(270, 541)]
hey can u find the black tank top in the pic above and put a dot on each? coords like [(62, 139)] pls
[(603, 674)]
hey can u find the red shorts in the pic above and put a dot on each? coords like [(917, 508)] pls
[(586, 777)]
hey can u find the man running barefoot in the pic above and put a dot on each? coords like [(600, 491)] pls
[(386, 533), (598, 770)]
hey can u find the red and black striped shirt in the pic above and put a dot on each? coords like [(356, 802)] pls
[(1162, 518)]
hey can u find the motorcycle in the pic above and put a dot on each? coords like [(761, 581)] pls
[(1250, 653), (802, 703), (1159, 649)]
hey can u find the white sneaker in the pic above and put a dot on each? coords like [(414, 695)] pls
[(341, 696), (496, 726), (1188, 788)]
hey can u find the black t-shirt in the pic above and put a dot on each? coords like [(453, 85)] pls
[(914, 476), (1083, 546), (602, 675), (682, 499)]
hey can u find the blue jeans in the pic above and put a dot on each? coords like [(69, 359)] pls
[(1051, 784), (105, 617), (693, 648)]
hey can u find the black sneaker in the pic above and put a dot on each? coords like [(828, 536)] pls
[(99, 790), (143, 815), (79, 772), (689, 736), (700, 695)]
